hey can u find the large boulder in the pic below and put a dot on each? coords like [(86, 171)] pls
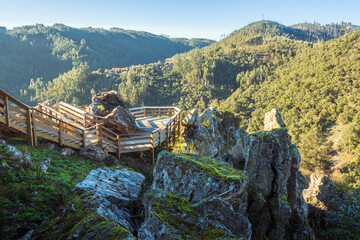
[(121, 121), (120, 186), (211, 133), (106, 207), (105, 102), (195, 197), (195, 178), (170, 216), (87, 217)]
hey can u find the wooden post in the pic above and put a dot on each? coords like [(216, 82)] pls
[(159, 137), (179, 121), (85, 121), (167, 137), (152, 147), (173, 130), (84, 138), (144, 112), (118, 146), (7, 111), (30, 138), (34, 127), (60, 134), (100, 135)]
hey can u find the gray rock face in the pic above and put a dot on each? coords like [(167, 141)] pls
[(105, 102), (195, 178), (205, 196), (273, 120), (93, 153), (120, 186), (15, 153), (211, 134), (102, 211), (89, 217), (170, 216), (191, 119), (275, 201), (121, 121), (321, 196)]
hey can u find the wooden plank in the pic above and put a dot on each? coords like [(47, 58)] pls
[(60, 134), (46, 127), (22, 120), (7, 112), (46, 121), (34, 127), (74, 109), (18, 110), (14, 100), (30, 137), (100, 135)]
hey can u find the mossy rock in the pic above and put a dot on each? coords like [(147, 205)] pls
[(78, 221)]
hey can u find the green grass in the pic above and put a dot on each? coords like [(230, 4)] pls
[(27, 197)]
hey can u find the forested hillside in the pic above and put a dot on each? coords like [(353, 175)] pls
[(261, 66), (32, 52)]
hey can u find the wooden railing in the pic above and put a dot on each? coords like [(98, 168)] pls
[(73, 127)]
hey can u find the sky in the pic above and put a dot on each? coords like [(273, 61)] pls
[(197, 18)]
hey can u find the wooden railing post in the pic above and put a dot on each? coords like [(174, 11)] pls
[(30, 137), (173, 131), (118, 146), (144, 111), (160, 137), (100, 135), (7, 112), (60, 134), (85, 121), (167, 137), (84, 138), (34, 127), (178, 125), (152, 147)]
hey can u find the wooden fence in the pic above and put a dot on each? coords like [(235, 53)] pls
[(73, 127)]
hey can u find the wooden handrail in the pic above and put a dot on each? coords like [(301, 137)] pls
[(14, 100)]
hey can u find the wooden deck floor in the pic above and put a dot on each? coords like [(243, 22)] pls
[(149, 124)]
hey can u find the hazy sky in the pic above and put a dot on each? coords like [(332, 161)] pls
[(196, 18)]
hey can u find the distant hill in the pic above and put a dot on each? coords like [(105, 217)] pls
[(46, 51)]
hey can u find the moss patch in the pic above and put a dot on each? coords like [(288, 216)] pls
[(210, 166)]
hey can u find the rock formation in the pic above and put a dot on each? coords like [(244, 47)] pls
[(116, 116), (103, 209), (213, 135), (194, 197), (105, 102), (121, 121), (273, 120)]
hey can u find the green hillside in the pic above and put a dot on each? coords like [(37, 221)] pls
[(32, 52)]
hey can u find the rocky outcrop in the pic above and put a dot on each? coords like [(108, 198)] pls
[(212, 134), (16, 154), (105, 208), (84, 218), (51, 102), (195, 197), (273, 120), (170, 216), (93, 153), (121, 121), (105, 102), (276, 208)]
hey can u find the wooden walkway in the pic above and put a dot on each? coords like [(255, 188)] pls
[(73, 127)]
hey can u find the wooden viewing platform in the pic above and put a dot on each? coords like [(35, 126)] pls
[(71, 126)]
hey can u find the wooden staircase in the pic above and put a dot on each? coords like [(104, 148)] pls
[(71, 126)]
